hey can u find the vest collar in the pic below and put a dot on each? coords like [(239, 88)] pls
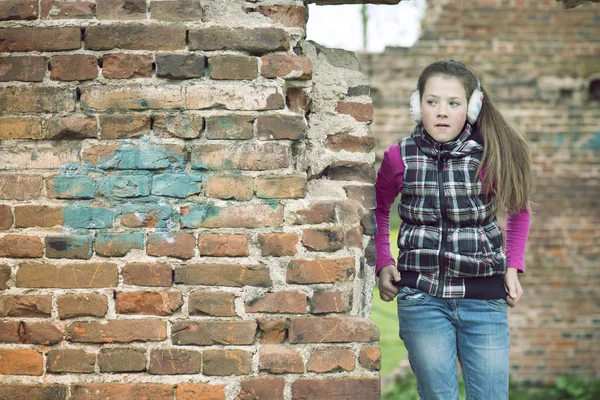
[(465, 143)]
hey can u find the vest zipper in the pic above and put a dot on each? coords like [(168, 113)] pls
[(440, 176)]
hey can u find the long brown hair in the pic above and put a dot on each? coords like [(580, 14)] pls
[(506, 157)]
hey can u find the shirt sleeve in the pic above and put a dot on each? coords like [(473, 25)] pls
[(387, 187), (517, 231)]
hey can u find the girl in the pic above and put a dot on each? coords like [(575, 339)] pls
[(453, 279)]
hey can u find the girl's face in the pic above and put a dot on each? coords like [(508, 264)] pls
[(444, 107)]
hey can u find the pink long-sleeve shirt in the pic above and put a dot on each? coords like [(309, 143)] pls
[(389, 185)]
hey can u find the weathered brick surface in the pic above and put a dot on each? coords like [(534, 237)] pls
[(39, 39), (331, 360), (122, 360), (6, 217), (287, 67), (117, 331), (320, 271), (226, 362), (185, 126), (328, 301), (234, 127), (82, 305), (87, 275), (332, 330), (19, 10), (255, 40), (223, 245), (270, 127), (179, 245), (20, 187), (148, 303), (75, 127), (175, 361), (317, 213), (118, 244), (127, 66), (36, 99), (213, 332), (230, 97), (280, 302), (281, 187), (280, 360), (32, 391), (115, 391), (69, 247), (230, 187), (20, 128), (249, 216), (19, 246), (147, 274), (24, 68), (21, 362), (135, 37), (5, 274), (21, 332), (70, 361), (290, 16), (223, 275), (262, 388), (180, 66), (25, 306), (359, 111), (250, 157), (343, 141), (62, 9), (272, 330), (177, 10), (124, 126), (131, 98), (324, 239), (216, 304), (232, 67), (367, 388), (370, 358), (121, 9), (73, 68), (278, 244)]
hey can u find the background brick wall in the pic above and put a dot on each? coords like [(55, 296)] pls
[(185, 204), (543, 63)]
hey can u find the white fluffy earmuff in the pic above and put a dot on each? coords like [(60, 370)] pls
[(473, 109)]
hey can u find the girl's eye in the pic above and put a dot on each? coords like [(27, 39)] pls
[(454, 104), (431, 102)]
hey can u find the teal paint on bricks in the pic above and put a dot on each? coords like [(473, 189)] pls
[(74, 187), (195, 216), (159, 216), (273, 203), (124, 186), (87, 217), (134, 240), (594, 142), (143, 156), (79, 246), (176, 185)]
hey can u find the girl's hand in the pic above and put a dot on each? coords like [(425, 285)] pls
[(389, 276), (512, 286)]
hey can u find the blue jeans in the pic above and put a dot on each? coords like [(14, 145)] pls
[(436, 331)]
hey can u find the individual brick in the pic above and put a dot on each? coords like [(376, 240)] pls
[(137, 98), (365, 388), (127, 66), (129, 156), (154, 391), (290, 302), (364, 195), (122, 186), (6, 218), (323, 239), (180, 66), (70, 128), (175, 361), (280, 360), (362, 112), (232, 127), (22, 68), (332, 330), (230, 66), (69, 247), (148, 303), (370, 358), (278, 244), (147, 274), (122, 360), (253, 40), (146, 216), (177, 10), (20, 246), (227, 186), (328, 301), (353, 237), (25, 332), (135, 37), (192, 391), (226, 362), (281, 127), (118, 244), (212, 332), (331, 360), (20, 187), (351, 143), (68, 276), (82, 305), (320, 271), (121, 10), (51, 158), (124, 126), (351, 171), (297, 100), (264, 387), (289, 16), (245, 216), (72, 187), (4, 276), (26, 306), (40, 39), (176, 185), (117, 331), (70, 361), (84, 217), (286, 67), (242, 156), (73, 68), (71, 9), (33, 391), (178, 245), (255, 97), (216, 245), (18, 10), (215, 304), (36, 98), (236, 275), (272, 330), (20, 127), (185, 126), (281, 187), (21, 362)]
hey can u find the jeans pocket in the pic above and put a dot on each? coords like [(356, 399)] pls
[(411, 297), (496, 304)]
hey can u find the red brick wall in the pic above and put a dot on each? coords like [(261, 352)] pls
[(540, 60), (175, 219)]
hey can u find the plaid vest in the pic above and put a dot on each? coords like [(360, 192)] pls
[(449, 228)]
